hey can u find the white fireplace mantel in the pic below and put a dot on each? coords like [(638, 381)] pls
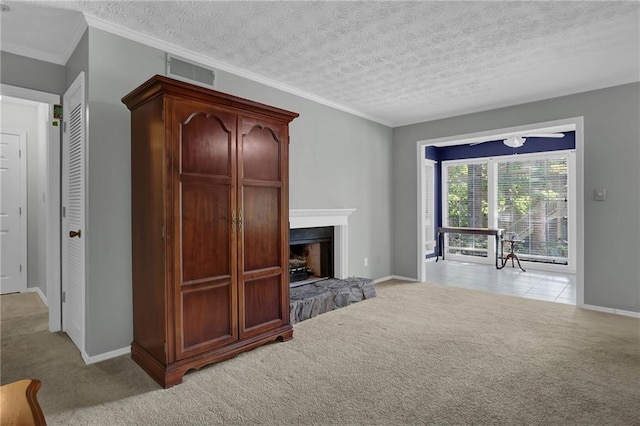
[(338, 218)]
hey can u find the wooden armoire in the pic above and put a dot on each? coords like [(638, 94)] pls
[(210, 224)]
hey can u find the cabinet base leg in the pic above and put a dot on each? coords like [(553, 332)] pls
[(171, 374)]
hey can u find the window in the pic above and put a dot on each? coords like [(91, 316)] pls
[(533, 205), (528, 195), (467, 206)]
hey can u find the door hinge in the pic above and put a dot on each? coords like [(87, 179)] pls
[(165, 347), (21, 268), (164, 233), (64, 297), (64, 211), (20, 211), (19, 153), (64, 126)]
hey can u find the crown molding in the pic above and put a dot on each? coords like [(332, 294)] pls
[(32, 53), (127, 33)]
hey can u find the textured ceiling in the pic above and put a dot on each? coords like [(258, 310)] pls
[(399, 62)]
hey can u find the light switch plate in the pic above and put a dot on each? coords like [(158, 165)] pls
[(599, 194)]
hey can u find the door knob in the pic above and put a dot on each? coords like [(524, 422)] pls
[(75, 234)]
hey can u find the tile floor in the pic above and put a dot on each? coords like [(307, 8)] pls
[(533, 284)]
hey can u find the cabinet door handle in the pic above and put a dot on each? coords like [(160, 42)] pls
[(233, 219), (240, 218), (75, 233)]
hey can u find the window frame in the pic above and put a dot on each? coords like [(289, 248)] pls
[(492, 195), (429, 204), (490, 257)]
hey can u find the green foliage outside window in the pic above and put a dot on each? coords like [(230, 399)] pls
[(468, 206), (531, 201)]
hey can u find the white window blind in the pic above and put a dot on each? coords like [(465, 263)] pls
[(466, 206), (428, 185), (533, 207)]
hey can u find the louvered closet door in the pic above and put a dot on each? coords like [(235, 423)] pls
[(204, 193), (73, 201), (262, 159)]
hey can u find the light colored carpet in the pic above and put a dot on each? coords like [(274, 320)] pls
[(416, 354)]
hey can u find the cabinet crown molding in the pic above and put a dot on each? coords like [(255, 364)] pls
[(159, 84)]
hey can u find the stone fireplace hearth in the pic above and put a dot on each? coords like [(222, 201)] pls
[(313, 299)]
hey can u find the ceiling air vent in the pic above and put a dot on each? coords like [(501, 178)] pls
[(188, 71)]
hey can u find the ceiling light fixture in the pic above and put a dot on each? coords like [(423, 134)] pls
[(514, 141)]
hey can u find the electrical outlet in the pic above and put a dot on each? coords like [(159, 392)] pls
[(366, 261), (600, 194)]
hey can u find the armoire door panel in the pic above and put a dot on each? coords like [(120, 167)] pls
[(261, 154), (262, 301), (205, 231), (207, 138), (206, 145), (207, 318), (261, 241)]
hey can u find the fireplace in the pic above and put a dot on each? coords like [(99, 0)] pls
[(336, 218), (310, 254)]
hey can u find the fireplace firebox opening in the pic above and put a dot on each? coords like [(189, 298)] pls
[(310, 255)]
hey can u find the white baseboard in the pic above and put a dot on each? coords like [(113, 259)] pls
[(611, 310), (395, 277), (39, 292), (105, 356), (399, 277)]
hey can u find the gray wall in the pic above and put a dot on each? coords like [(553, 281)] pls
[(30, 73), (337, 161), (78, 62), (611, 160), (116, 66)]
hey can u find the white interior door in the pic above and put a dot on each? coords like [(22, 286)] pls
[(73, 212), (13, 214)]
